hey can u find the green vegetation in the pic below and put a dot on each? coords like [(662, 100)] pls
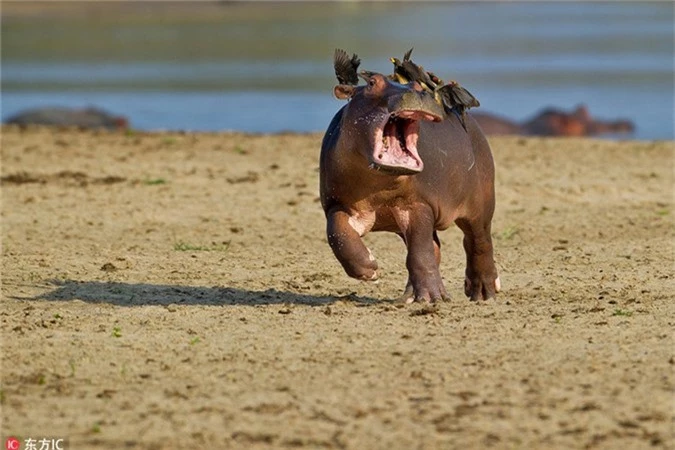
[(622, 312), (181, 246), (508, 233), (117, 332)]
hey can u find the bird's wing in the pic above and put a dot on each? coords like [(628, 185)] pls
[(346, 67), (456, 95), (465, 97)]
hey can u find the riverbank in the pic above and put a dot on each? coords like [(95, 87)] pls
[(164, 290)]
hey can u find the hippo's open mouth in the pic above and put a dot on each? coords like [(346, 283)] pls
[(395, 147)]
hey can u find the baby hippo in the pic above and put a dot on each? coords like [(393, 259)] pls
[(392, 160)]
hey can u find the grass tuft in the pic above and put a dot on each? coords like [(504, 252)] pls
[(181, 246), (622, 312), (508, 233)]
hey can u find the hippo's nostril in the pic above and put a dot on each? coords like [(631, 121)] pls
[(379, 156)]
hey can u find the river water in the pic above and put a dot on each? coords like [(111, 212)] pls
[(268, 68)]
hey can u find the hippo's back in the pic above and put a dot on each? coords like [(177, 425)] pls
[(458, 166)]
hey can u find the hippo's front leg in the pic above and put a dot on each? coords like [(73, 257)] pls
[(424, 278), (348, 247)]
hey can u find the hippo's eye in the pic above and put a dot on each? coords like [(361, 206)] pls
[(372, 82)]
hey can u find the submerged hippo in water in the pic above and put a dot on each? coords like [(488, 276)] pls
[(67, 117), (553, 122), (391, 160)]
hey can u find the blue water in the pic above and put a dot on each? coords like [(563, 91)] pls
[(276, 75)]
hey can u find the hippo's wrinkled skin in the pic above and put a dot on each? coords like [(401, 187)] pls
[(553, 122), (66, 117), (392, 161)]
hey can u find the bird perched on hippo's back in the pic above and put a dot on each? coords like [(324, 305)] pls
[(407, 71), (454, 98)]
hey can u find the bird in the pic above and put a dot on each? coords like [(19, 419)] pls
[(346, 68), (435, 79), (366, 74), (407, 71), (456, 99)]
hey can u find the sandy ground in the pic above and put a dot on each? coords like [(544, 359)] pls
[(177, 291)]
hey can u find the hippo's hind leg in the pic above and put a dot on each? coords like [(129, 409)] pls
[(355, 257), (482, 281), (409, 293)]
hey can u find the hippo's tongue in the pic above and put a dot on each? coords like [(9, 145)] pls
[(395, 148)]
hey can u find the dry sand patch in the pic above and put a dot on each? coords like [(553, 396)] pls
[(172, 289)]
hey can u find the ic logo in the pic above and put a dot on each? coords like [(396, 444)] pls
[(12, 443)]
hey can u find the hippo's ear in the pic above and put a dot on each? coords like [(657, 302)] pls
[(344, 91)]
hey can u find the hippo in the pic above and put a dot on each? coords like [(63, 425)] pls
[(67, 117), (553, 122), (594, 127), (392, 160), (494, 125)]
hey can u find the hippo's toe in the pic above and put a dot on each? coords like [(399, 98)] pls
[(427, 292), (481, 288), (363, 273), (408, 295)]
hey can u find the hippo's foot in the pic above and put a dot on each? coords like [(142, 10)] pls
[(481, 288), (428, 291), (357, 259), (363, 272), (363, 269)]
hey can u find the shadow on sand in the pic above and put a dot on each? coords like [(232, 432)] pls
[(125, 294)]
